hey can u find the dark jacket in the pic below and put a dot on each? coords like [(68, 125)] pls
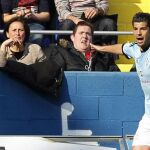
[(47, 76), (73, 60)]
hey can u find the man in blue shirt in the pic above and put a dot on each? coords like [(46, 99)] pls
[(140, 52)]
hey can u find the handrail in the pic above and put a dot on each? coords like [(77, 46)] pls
[(70, 139), (83, 138), (69, 32)]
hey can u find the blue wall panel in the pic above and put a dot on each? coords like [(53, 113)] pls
[(105, 103), (132, 85), (92, 84), (120, 108), (98, 127), (129, 128), (85, 107)]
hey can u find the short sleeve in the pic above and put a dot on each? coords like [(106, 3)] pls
[(131, 50)]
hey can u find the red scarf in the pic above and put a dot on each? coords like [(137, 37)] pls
[(88, 55)]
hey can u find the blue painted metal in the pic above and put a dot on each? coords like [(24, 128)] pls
[(108, 103)]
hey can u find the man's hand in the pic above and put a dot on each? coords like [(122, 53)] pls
[(91, 13), (20, 13), (74, 19), (26, 13), (77, 20)]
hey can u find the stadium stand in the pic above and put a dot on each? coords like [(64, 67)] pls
[(124, 24)]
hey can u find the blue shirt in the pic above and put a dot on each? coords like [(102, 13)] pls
[(142, 61)]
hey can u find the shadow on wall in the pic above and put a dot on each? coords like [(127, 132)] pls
[(28, 112)]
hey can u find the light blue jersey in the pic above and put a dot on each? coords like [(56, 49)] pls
[(142, 61)]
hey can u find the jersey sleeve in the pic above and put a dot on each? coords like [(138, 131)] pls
[(131, 50)]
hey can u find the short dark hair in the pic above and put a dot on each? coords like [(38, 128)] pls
[(141, 17), (83, 23), (25, 25)]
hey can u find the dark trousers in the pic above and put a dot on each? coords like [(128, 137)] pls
[(100, 23)]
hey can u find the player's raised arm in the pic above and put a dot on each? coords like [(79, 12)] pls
[(117, 48)]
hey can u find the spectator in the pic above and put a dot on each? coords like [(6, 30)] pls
[(79, 55), (16, 47), (36, 12), (140, 51), (76, 57), (73, 11)]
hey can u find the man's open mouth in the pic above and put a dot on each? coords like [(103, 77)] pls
[(140, 39)]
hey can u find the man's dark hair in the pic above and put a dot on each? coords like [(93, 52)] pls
[(83, 23), (26, 28), (141, 17)]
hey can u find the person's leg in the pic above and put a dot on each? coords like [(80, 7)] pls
[(36, 38), (141, 148), (105, 24), (141, 140), (66, 25)]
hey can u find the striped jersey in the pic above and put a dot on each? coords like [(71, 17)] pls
[(77, 7)]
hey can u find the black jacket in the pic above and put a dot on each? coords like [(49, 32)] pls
[(73, 60), (47, 76)]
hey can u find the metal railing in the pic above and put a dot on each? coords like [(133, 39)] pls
[(69, 32), (83, 140), (71, 139)]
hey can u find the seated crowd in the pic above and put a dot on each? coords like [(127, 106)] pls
[(23, 16)]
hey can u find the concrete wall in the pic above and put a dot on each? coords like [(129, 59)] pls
[(105, 103)]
